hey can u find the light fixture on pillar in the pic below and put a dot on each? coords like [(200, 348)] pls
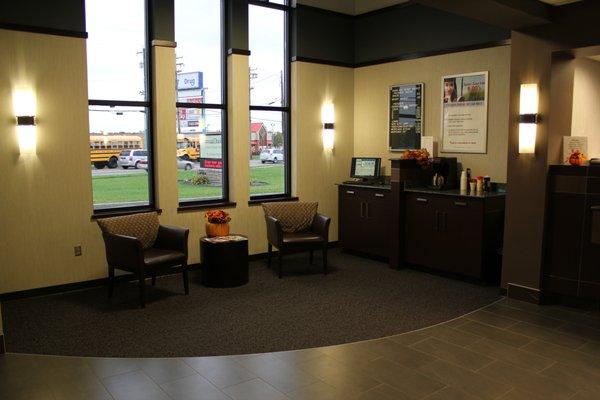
[(24, 106), (528, 118), (327, 117)]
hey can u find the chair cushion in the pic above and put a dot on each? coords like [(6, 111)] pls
[(302, 237), (293, 216), (157, 257), (143, 226)]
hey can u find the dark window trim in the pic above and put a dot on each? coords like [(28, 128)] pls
[(255, 201), (149, 105), (185, 207), (224, 200), (118, 212), (285, 108)]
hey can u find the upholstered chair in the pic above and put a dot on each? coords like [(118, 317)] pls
[(294, 227), (138, 243)]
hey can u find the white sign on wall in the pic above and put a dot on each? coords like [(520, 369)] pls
[(189, 80)]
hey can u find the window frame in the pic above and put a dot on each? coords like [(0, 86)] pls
[(148, 104), (285, 109), (224, 199)]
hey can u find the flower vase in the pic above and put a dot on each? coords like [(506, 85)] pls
[(213, 230)]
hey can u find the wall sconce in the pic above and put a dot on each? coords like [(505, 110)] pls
[(528, 118), (24, 106), (327, 117)]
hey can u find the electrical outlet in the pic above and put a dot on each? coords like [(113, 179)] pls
[(77, 251)]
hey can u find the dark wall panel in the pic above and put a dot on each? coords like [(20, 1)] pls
[(162, 19), (63, 15), (414, 28), (237, 20)]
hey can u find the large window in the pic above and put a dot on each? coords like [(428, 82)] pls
[(119, 106), (200, 129), (269, 99)]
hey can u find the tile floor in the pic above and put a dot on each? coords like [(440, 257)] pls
[(508, 350)]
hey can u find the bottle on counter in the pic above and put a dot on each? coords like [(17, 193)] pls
[(487, 183), (469, 175), (463, 181), (479, 184)]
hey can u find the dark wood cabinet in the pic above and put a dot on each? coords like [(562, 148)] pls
[(572, 240), (456, 234), (364, 214)]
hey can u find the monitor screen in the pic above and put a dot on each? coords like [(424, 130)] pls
[(365, 167)]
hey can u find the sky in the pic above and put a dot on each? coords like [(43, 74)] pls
[(115, 57)]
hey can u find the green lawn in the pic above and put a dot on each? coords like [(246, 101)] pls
[(134, 187)]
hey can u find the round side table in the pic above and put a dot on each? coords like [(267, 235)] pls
[(224, 264)]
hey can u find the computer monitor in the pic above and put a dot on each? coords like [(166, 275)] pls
[(365, 167)]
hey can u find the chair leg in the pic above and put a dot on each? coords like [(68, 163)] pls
[(142, 284), (153, 278), (280, 262), (269, 254), (310, 260), (186, 281), (111, 281), (325, 259)]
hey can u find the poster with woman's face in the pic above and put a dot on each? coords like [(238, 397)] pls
[(464, 116)]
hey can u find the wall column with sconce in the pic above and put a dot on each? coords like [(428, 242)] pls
[(24, 107), (328, 118)]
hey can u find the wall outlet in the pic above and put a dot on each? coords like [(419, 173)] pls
[(77, 251)]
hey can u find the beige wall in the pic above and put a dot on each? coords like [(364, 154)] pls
[(371, 104), (586, 103), (46, 200)]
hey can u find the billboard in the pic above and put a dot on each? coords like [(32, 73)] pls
[(190, 80)]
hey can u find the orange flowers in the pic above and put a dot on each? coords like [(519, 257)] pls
[(217, 216), (422, 156)]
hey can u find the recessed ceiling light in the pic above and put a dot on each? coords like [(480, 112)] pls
[(559, 2)]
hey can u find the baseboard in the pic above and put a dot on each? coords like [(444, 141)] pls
[(524, 293), (68, 287), (2, 346), (262, 256)]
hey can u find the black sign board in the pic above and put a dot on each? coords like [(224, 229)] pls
[(406, 116)]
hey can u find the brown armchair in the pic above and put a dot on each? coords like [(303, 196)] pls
[(138, 243), (294, 227)]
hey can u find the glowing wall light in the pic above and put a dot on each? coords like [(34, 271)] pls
[(327, 117), (24, 107), (528, 118)]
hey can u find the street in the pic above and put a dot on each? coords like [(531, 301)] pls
[(254, 163)]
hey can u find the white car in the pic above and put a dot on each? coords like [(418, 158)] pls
[(271, 155), (132, 158), (186, 165)]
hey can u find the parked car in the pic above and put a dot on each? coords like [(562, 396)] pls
[(184, 164), (271, 155), (132, 158), (143, 164)]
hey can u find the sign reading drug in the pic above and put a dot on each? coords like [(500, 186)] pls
[(189, 80)]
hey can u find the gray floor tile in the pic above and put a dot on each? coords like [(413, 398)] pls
[(255, 389), (296, 356), (500, 335), (193, 387), (548, 335), (163, 370), (398, 353), (409, 338), (564, 355), (451, 393), (575, 378), (279, 374), (527, 380), (491, 318), (134, 386), (339, 375), (383, 392), (510, 354), (582, 331), (220, 371), (322, 391), (453, 353), (452, 335), (584, 395), (355, 354), (105, 367), (526, 316), (591, 348)]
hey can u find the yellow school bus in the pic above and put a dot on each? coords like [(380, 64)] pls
[(105, 149), (188, 146)]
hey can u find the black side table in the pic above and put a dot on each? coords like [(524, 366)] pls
[(224, 264)]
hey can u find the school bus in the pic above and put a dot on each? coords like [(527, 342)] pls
[(188, 147), (105, 149)]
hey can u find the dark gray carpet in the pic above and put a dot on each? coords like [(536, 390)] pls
[(359, 299)]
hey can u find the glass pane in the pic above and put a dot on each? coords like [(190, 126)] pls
[(267, 56), (200, 152), (199, 51), (116, 49), (267, 153), (119, 160)]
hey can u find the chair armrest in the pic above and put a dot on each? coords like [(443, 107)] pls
[(172, 238), (123, 251), (320, 226), (274, 231)]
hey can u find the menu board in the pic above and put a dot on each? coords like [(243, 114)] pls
[(405, 116)]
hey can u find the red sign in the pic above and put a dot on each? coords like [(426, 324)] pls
[(211, 163)]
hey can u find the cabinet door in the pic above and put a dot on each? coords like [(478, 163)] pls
[(461, 240), (421, 230), (590, 261), (352, 221), (378, 213)]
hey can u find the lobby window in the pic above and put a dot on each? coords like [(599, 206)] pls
[(119, 104), (201, 123), (269, 99)]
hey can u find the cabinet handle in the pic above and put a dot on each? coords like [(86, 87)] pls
[(445, 222), (460, 203), (595, 208), (436, 223), (367, 209), (362, 212), (379, 195), (422, 199), (349, 191)]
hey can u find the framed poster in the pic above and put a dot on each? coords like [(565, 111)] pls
[(464, 113), (405, 116)]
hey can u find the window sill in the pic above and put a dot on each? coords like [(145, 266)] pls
[(118, 213), (203, 206), (259, 201)]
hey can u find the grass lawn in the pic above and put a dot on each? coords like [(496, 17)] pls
[(134, 187)]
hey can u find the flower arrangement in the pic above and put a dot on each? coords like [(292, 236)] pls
[(576, 158), (217, 216), (422, 156)]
